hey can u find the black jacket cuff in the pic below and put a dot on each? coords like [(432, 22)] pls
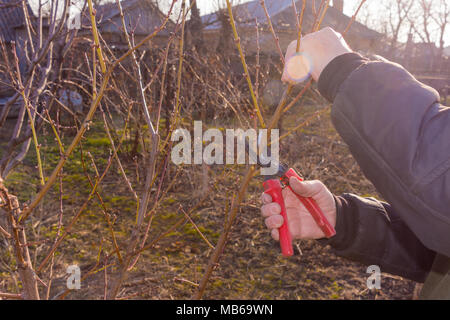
[(345, 218), (337, 71)]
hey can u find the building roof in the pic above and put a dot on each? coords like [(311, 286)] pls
[(108, 16), (247, 13), (447, 51), (110, 10), (279, 11), (11, 16)]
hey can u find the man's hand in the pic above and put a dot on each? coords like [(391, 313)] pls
[(301, 224), (316, 51)]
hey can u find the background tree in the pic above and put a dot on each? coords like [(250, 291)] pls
[(195, 28), (398, 12), (441, 17)]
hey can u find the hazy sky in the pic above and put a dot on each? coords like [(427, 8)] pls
[(207, 6), (374, 9)]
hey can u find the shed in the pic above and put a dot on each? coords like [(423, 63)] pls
[(142, 17), (283, 19), (11, 16), (11, 19)]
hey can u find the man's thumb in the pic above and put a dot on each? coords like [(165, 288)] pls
[(305, 188)]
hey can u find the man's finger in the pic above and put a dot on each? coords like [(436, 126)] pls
[(274, 222), (266, 198), (275, 234), (289, 53), (284, 77), (306, 188), (270, 209)]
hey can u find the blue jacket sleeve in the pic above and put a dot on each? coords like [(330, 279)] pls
[(400, 136)]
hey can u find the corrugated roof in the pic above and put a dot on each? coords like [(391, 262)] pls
[(246, 13), (11, 15), (108, 12)]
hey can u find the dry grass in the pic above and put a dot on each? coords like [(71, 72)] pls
[(251, 266), (100, 191)]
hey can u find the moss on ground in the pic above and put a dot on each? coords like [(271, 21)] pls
[(251, 266)]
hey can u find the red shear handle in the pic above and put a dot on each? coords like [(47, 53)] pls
[(273, 188), (315, 211)]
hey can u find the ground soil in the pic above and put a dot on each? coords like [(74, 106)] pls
[(251, 266)]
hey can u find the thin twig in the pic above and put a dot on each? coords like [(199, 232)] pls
[(11, 296), (353, 18), (51, 180), (244, 65), (96, 39), (274, 35)]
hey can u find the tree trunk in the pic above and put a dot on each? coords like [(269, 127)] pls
[(195, 30), (226, 33)]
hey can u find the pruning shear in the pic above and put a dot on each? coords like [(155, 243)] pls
[(273, 186)]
